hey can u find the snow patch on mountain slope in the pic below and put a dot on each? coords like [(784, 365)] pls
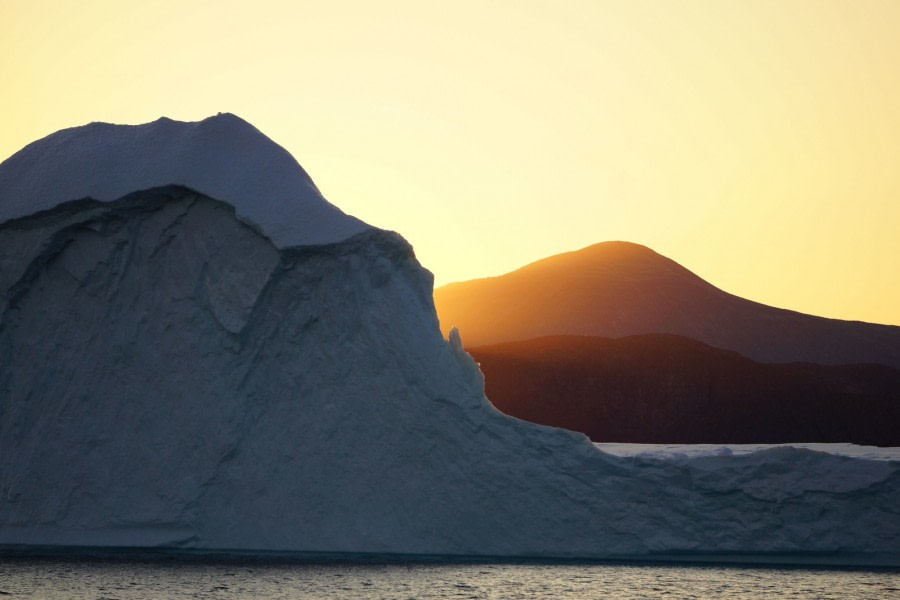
[(222, 156)]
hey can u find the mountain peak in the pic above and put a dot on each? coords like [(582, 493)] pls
[(616, 289), (613, 259), (222, 156), (617, 246), (615, 250)]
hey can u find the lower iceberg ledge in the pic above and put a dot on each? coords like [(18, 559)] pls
[(775, 505), (173, 380)]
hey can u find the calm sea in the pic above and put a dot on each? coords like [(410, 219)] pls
[(53, 579)]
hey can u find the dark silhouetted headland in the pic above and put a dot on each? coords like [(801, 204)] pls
[(662, 388)]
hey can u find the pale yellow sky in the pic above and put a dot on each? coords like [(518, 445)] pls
[(755, 142)]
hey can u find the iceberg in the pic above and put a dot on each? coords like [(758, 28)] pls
[(201, 354)]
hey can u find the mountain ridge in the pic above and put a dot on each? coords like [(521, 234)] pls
[(614, 289)]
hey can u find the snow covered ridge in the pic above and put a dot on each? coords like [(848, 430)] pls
[(222, 156)]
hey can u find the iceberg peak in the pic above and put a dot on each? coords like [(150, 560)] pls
[(222, 156)]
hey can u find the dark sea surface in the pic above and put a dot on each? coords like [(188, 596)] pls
[(103, 579)]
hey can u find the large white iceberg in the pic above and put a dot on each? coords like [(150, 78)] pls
[(236, 365)]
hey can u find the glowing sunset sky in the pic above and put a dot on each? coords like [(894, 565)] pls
[(756, 142)]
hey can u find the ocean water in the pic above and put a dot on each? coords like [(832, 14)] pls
[(52, 579)]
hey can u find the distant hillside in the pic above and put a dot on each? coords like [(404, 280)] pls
[(669, 389), (616, 289)]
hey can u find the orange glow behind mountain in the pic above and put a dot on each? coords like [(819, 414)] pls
[(754, 140), (616, 289)]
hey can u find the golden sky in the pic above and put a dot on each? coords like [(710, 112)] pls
[(755, 142)]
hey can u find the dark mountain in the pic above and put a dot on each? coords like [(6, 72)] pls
[(616, 289), (670, 389)]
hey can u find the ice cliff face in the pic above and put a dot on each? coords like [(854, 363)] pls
[(172, 376)]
